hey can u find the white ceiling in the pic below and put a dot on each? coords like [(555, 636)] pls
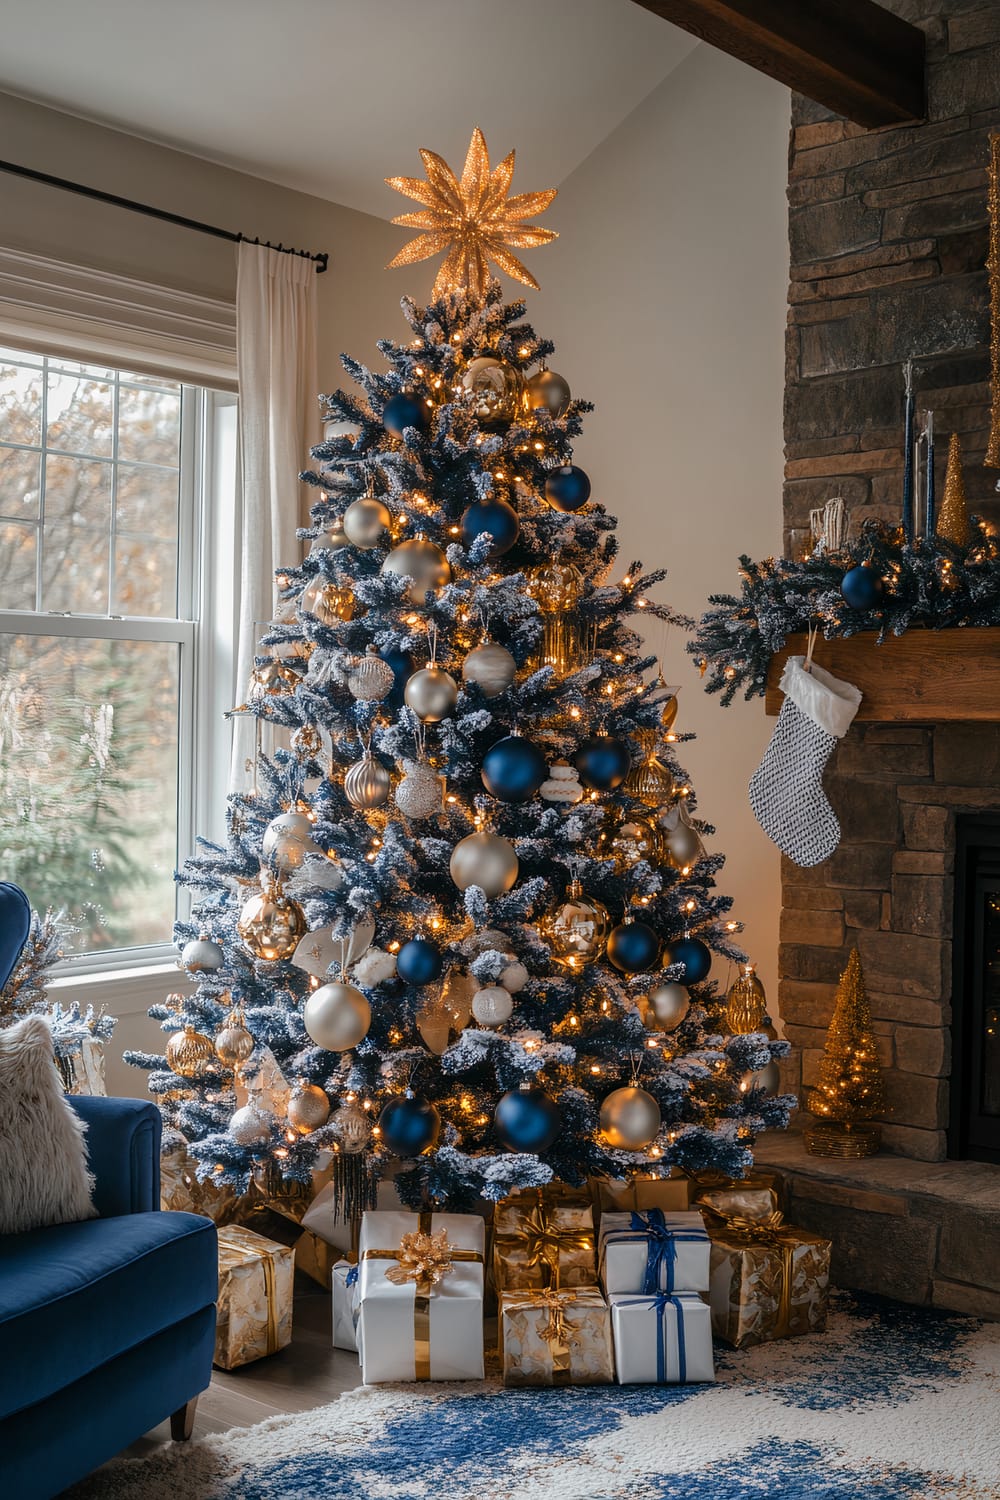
[(330, 96)]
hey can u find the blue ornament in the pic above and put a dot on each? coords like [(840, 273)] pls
[(567, 488), (402, 669), (409, 1124), (603, 762), (496, 517), (403, 411), (514, 769), (695, 955), (633, 947), (527, 1119), (419, 961), (862, 587)]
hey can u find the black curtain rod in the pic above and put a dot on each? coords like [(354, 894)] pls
[(321, 259)]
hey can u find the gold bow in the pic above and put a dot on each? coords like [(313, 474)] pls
[(773, 1234), (423, 1258), (556, 1330), (543, 1239)]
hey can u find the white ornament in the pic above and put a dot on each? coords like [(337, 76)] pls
[(287, 840), (251, 1126), (514, 978), (491, 667), (365, 521), (492, 1006), (202, 956), (376, 966), (369, 678), (419, 793), (337, 1017), (563, 786)]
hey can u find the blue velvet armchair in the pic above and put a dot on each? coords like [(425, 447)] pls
[(106, 1327)]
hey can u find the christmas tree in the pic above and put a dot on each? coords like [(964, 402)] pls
[(850, 1090), (464, 918)]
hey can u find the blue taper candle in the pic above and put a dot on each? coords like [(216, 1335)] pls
[(908, 454), (929, 431)]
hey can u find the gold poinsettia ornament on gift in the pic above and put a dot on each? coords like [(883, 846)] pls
[(423, 1258), (472, 219)]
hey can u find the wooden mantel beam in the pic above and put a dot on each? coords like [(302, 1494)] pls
[(853, 56)]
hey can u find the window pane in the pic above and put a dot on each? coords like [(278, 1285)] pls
[(77, 535), (157, 382), (18, 482), (145, 577), (80, 413), (18, 552), (88, 782), (149, 425), (147, 501), (20, 404)]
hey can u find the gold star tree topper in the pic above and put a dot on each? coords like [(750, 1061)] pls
[(472, 219)]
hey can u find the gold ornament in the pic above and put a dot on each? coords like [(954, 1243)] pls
[(630, 1119), (486, 860), (472, 219), (434, 1023), (567, 642), (189, 1053), (431, 693), (992, 459), (308, 1108), (547, 391), (628, 840), (271, 679), (233, 1043), (495, 388), (681, 840), (421, 560), (576, 930), (327, 602), (271, 925), (649, 780), (953, 517), (306, 742), (850, 1091), (746, 1003)]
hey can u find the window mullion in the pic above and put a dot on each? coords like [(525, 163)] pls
[(43, 469)]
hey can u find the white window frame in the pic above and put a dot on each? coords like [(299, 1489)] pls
[(206, 634)]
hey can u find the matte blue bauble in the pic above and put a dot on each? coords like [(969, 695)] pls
[(514, 769), (402, 669), (419, 961), (693, 954), (403, 411), (603, 762), (567, 488), (633, 947), (527, 1120), (496, 517), (862, 587), (409, 1124)]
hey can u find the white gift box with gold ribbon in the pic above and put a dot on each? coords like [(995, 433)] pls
[(346, 1307), (421, 1293)]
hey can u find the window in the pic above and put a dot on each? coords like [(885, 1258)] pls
[(112, 487)]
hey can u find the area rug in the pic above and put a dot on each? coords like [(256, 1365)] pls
[(890, 1402)]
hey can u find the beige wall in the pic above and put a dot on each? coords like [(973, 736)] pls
[(665, 295)]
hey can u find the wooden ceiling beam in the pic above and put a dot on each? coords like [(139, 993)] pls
[(853, 56)]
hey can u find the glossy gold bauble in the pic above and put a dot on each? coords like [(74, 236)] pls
[(423, 562), (271, 925), (494, 389), (189, 1053), (367, 783), (233, 1043), (746, 1003), (431, 693), (366, 521), (486, 860), (649, 780), (630, 841), (271, 679), (327, 602), (308, 1108), (576, 930), (668, 714), (667, 1006), (630, 1119), (547, 391)]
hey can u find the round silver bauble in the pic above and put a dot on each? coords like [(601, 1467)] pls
[(367, 783), (490, 667), (370, 679), (514, 977), (334, 537), (431, 693), (492, 1006), (423, 562), (486, 860), (681, 840), (418, 794), (547, 391), (251, 1126), (630, 1119), (308, 1108), (352, 1127), (668, 1005), (365, 521), (287, 840), (202, 956), (337, 1016)]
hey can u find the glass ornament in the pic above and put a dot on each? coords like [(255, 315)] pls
[(628, 841), (419, 961), (667, 1006), (630, 1119), (270, 925), (695, 956), (352, 1127), (547, 391), (603, 762), (682, 845), (767, 1078), (202, 955), (409, 1124), (746, 1003), (576, 930), (431, 693), (327, 602), (402, 411), (434, 1024), (494, 389), (308, 1108), (486, 860), (513, 769), (306, 742), (337, 1016), (649, 780), (419, 791), (633, 947), (423, 562), (568, 642), (271, 679), (233, 1042), (526, 1119), (495, 518), (287, 840), (370, 679), (567, 488), (863, 587), (366, 521), (490, 667), (189, 1053)]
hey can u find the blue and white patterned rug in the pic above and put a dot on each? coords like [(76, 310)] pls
[(893, 1403)]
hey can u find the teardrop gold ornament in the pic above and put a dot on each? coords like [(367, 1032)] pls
[(746, 1003), (189, 1053)]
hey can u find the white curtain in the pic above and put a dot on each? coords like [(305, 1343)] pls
[(278, 422)]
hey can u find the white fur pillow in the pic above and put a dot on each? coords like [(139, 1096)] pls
[(43, 1156)]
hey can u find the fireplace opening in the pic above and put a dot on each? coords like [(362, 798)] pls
[(974, 1132)]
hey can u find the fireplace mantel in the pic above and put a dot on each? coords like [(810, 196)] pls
[(923, 677)]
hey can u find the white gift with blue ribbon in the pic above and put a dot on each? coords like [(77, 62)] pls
[(649, 1251), (664, 1338)]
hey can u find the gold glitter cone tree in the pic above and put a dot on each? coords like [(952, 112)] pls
[(850, 1091), (953, 518)]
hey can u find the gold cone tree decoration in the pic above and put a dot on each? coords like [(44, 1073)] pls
[(953, 517), (850, 1091)]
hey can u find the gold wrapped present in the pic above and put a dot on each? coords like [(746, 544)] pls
[(769, 1280), (758, 1188), (180, 1190), (552, 1337), (552, 1194), (538, 1244), (256, 1279), (315, 1258), (616, 1196)]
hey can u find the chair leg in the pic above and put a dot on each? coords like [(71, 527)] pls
[(182, 1422)]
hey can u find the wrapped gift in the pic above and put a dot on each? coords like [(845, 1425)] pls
[(315, 1258), (181, 1191), (754, 1196), (421, 1297), (769, 1280), (654, 1252), (550, 1337), (346, 1305), (537, 1244), (665, 1338), (552, 1194), (256, 1279), (614, 1195)]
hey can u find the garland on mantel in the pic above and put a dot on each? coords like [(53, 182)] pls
[(930, 582)]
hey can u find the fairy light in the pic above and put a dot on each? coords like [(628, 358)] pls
[(732, 926), (574, 712), (394, 946), (418, 370), (367, 1104), (690, 906), (523, 352), (641, 603), (574, 1020), (595, 1068)]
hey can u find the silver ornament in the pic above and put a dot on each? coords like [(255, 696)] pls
[(367, 782), (419, 793), (287, 840), (308, 1108), (668, 1005), (767, 1078), (334, 537), (492, 1006), (337, 1017), (251, 1125), (202, 956), (365, 521), (431, 693), (486, 860), (494, 387), (630, 1119), (351, 1127), (514, 978), (681, 839), (547, 391), (422, 561), (491, 668), (370, 678)]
